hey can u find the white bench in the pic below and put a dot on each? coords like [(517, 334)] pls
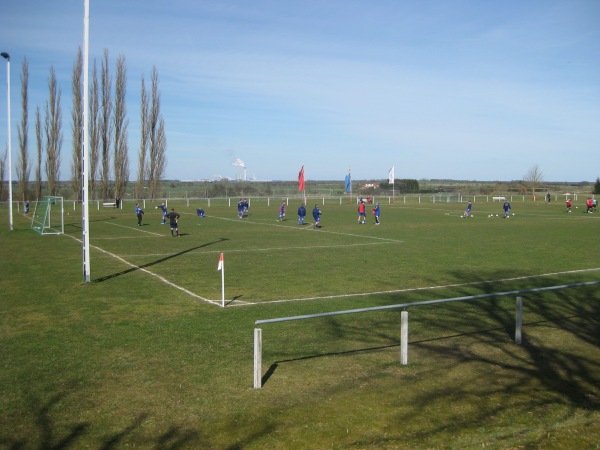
[(109, 204), (499, 199)]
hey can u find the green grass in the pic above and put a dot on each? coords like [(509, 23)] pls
[(136, 358)]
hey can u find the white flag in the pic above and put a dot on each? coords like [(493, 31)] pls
[(220, 266), (391, 175)]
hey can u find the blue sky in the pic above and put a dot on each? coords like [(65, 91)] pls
[(476, 90)]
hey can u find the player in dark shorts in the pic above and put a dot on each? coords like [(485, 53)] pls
[(173, 218)]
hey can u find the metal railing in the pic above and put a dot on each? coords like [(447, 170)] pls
[(404, 319)]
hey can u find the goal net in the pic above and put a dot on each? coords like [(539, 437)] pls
[(48, 216)]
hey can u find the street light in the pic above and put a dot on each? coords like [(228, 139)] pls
[(10, 214)]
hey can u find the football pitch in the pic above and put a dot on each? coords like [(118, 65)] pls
[(146, 355)]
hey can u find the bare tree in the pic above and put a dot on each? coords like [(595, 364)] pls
[(533, 178), (53, 133), (23, 169), (121, 161), (94, 131), (105, 131), (158, 140), (40, 146), (143, 152), (77, 125)]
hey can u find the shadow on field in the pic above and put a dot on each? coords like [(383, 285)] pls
[(556, 364), (158, 261), (74, 436)]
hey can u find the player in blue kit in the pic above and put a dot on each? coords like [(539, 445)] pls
[(163, 207), (506, 208), (301, 214), (281, 212), (316, 212), (468, 210)]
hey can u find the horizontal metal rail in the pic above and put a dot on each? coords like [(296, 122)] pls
[(426, 302), (404, 319)]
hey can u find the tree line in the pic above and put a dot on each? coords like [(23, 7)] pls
[(107, 131)]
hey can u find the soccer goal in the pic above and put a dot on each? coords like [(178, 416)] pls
[(48, 216)]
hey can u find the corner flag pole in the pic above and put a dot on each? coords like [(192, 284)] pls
[(221, 267)]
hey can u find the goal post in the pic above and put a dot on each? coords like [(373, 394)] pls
[(48, 216)]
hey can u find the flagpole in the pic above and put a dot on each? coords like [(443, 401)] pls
[(303, 184), (392, 179), (223, 285), (349, 187), (221, 267)]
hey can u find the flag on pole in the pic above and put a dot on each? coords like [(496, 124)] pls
[(220, 266), (348, 183), (301, 179), (391, 175)]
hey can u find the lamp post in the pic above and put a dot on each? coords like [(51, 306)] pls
[(10, 214)]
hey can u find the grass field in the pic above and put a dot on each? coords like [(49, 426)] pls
[(145, 356)]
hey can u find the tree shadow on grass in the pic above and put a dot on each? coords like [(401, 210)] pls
[(273, 367), (48, 436), (466, 350), (158, 261)]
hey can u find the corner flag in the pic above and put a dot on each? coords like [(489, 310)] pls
[(221, 267)]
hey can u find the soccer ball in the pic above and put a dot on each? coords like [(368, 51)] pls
[(156, 207)]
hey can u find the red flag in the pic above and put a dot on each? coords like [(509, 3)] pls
[(301, 179), (220, 266)]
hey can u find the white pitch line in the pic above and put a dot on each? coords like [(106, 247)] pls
[(133, 228), (163, 279), (395, 291), (121, 238), (309, 228), (268, 249)]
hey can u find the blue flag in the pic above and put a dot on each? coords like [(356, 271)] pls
[(348, 182)]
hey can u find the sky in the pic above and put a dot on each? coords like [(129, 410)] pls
[(438, 89)]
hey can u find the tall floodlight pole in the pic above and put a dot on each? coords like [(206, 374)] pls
[(85, 210), (10, 214)]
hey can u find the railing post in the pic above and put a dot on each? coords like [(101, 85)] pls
[(404, 338), (257, 358), (519, 320)]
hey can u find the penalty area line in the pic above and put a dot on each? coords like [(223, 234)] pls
[(132, 228), (425, 288), (158, 277)]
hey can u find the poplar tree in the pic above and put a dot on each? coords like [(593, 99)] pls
[(94, 132), (53, 134), (105, 131), (77, 125), (143, 150), (120, 158), (157, 140), (23, 168), (40, 148)]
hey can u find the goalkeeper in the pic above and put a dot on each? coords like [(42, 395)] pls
[(173, 219)]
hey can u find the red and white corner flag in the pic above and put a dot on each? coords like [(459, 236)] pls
[(220, 266)]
